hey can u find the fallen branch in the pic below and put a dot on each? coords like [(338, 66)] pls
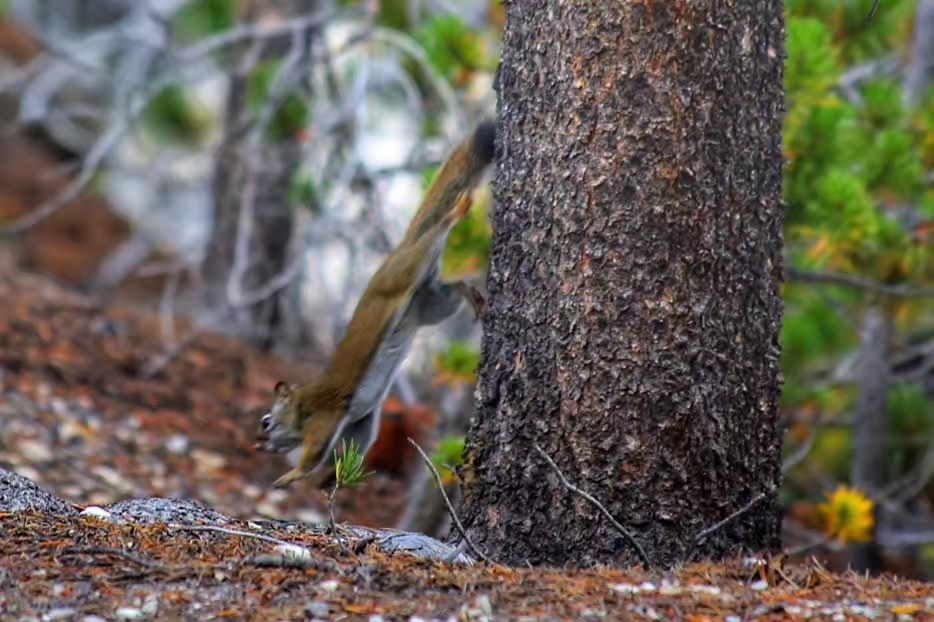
[(626, 534), (233, 532), (288, 562), (145, 563), (456, 521)]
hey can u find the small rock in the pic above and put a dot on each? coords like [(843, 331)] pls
[(97, 512), (483, 604), (276, 495), (34, 450), (267, 509), (112, 477), (310, 516), (58, 613), (177, 444), (71, 430), (330, 585), (293, 551), (206, 460), (129, 613), (759, 586), (317, 609), (252, 491), (151, 605)]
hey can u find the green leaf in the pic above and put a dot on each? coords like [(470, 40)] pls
[(203, 18), (450, 452), (450, 45), (811, 67), (174, 116), (460, 358)]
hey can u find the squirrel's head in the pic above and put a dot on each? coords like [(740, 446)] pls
[(279, 430), (293, 420)]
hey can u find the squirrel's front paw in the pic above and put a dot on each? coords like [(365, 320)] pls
[(288, 479), (476, 300)]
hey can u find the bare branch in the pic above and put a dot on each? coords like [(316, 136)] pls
[(236, 297), (876, 68), (253, 32), (73, 190), (457, 522), (858, 282), (277, 91), (905, 538), (907, 487), (700, 537), (802, 452), (626, 534), (872, 11), (167, 307), (809, 546)]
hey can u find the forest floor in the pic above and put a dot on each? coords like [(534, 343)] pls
[(77, 418)]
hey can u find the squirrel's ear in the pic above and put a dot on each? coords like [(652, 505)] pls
[(282, 389)]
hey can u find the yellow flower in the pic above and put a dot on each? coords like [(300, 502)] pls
[(847, 515)]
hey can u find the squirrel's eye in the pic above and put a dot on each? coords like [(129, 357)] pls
[(266, 422)]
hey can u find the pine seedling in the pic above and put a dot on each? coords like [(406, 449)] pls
[(348, 473)]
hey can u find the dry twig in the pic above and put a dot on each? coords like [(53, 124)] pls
[(233, 532), (95, 550), (454, 518), (626, 534), (802, 452), (732, 517)]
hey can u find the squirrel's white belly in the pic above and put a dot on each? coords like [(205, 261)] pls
[(377, 382)]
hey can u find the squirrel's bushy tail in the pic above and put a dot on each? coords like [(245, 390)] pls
[(460, 173)]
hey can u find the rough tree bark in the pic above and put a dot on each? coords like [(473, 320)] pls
[(634, 283)]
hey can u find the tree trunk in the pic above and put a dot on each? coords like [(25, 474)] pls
[(274, 322), (920, 71), (634, 277), (871, 426)]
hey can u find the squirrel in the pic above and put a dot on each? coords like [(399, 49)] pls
[(405, 293)]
